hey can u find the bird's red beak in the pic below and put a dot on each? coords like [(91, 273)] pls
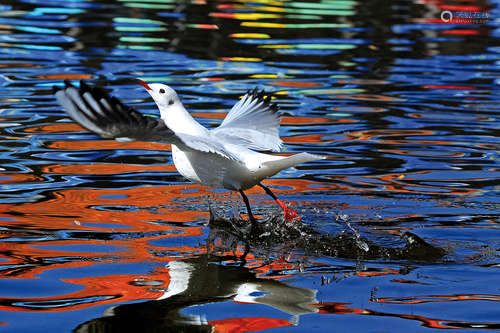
[(144, 84)]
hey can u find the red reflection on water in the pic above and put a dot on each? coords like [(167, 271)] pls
[(9, 178), (386, 271), (426, 322), (311, 138), (336, 308), (223, 15), (460, 32), (99, 290), (438, 298), (72, 208), (406, 281), (77, 210), (134, 230), (106, 144), (205, 26), (24, 257), (103, 168), (461, 8), (276, 266), (248, 324), (55, 128), (342, 308), (444, 86), (65, 76), (18, 65)]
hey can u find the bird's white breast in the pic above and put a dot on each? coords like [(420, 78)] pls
[(183, 165), (211, 169)]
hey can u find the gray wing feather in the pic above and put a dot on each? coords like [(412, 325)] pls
[(106, 116), (253, 122)]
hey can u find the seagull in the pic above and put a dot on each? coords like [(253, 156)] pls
[(234, 156)]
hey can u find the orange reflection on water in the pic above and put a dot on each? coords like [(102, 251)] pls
[(438, 298), (406, 281), (275, 266), (18, 65), (103, 168), (9, 178), (65, 76), (248, 324), (385, 271), (342, 308), (99, 290), (72, 208), (106, 144), (311, 138), (26, 261), (336, 308), (55, 128), (374, 134)]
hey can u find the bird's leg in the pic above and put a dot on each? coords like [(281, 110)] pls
[(250, 215), (290, 214)]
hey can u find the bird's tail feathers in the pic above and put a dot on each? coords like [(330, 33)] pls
[(282, 163)]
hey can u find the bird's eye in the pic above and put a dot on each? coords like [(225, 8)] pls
[(170, 102), (162, 91)]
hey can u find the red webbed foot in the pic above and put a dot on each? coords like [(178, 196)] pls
[(290, 214)]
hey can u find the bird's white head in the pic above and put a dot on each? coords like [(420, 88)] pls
[(165, 97), (172, 111)]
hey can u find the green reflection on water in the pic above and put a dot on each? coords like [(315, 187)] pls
[(138, 39), (140, 29), (309, 46), (295, 25), (136, 20)]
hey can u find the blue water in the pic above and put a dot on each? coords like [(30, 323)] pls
[(108, 236)]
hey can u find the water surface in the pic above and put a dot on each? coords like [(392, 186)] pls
[(106, 235)]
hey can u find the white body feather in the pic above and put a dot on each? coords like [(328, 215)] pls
[(248, 167)]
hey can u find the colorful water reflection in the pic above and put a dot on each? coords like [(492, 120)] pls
[(402, 97)]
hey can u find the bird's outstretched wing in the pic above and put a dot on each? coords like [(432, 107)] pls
[(253, 122), (106, 116)]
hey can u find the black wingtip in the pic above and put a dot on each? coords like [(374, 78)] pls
[(83, 86), (68, 84), (55, 89), (267, 99)]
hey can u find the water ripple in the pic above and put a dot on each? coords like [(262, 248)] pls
[(404, 105)]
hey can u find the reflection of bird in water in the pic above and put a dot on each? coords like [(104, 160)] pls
[(198, 281), (225, 157), (198, 277)]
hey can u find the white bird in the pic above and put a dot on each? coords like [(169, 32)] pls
[(228, 156)]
